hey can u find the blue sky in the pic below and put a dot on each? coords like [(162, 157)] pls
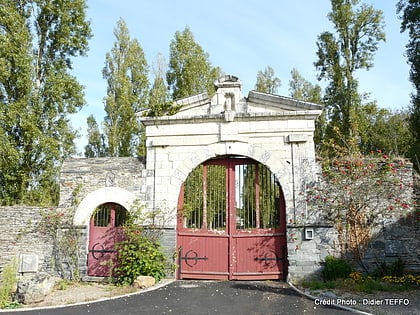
[(240, 36)]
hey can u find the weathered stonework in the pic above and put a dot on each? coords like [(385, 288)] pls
[(19, 235), (273, 130)]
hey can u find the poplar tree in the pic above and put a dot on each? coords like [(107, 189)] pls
[(302, 89), (159, 94), (358, 31), (126, 73), (96, 146), (38, 40), (190, 71), (409, 11), (267, 82)]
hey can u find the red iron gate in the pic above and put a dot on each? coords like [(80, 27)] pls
[(231, 222), (104, 231)]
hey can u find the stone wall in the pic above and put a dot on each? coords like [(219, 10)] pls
[(20, 235), (79, 177), (398, 238)]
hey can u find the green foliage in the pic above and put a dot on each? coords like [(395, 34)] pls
[(190, 71), (304, 90), (8, 280), (357, 282), (168, 108), (65, 239), (126, 73), (358, 30), (410, 22), (335, 268), (159, 100), (385, 129), (38, 41), (395, 268), (267, 82), (96, 146), (140, 253)]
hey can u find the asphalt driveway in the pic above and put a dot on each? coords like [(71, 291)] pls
[(202, 297)]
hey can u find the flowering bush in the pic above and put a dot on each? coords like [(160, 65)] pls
[(358, 194), (356, 276), (406, 279)]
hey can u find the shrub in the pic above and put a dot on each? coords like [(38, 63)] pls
[(140, 252), (8, 280), (138, 255), (395, 269), (335, 268)]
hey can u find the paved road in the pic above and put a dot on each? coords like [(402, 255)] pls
[(203, 297)]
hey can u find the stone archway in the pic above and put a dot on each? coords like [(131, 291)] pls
[(96, 198), (273, 160), (101, 196)]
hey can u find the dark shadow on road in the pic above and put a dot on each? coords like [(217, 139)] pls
[(272, 287)]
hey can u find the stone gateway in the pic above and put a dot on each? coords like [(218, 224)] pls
[(228, 174), (229, 171)]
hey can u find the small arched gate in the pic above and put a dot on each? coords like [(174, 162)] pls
[(105, 229), (231, 222)]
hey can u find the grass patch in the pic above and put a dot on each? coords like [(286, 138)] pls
[(365, 285), (8, 280)]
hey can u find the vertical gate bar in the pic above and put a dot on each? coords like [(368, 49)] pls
[(251, 194), (231, 213), (272, 199), (204, 218), (219, 209), (257, 197), (221, 203)]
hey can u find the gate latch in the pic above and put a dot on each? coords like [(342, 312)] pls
[(102, 251), (191, 258), (267, 258)]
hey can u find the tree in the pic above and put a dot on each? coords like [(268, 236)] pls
[(267, 82), (96, 146), (382, 129), (126, 72), (159, 94), (304, 90), (15, 86), (410, 21), (358, 30), (190, 71), (39, 39)]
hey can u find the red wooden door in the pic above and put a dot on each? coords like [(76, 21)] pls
[(105, 230), (231, 222)]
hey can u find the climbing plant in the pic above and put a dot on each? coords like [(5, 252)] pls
[(358, 195), (65, 240), (56, 224)]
